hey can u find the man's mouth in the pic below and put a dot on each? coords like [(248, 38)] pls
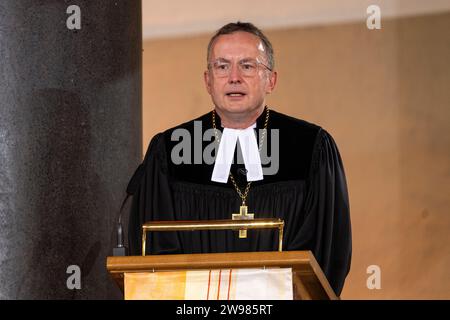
[(235, 94)]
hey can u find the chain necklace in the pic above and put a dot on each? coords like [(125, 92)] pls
[(241, 194)]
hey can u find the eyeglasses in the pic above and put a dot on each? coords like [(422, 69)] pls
[(247, 67)]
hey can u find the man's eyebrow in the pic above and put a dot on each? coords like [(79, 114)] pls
[(248, 59), (242, 60), (222, 60)]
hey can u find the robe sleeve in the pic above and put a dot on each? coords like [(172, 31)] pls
[(327, 211), (152, 201)]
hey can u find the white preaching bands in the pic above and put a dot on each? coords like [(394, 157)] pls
[(250, 154)]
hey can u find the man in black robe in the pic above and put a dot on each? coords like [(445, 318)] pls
[(304, 184)]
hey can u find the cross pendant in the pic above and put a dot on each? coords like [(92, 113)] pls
[(243, 215)]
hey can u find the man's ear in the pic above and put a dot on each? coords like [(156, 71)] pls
[(207, 81), (272, 82)]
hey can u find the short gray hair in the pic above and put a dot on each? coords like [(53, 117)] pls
[(244, 27)]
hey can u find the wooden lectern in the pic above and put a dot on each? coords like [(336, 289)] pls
[(309, 281)]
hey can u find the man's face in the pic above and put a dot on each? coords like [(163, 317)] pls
[(237, 92)]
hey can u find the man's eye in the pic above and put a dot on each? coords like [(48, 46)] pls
[(247, 66), (222, 66)]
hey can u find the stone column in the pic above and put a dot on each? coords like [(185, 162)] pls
[(70, 138)]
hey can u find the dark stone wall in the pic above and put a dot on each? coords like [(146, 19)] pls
[(70, 138)]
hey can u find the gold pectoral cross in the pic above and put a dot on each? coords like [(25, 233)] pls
[(243, 215)]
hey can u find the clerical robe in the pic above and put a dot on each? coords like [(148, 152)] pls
[(308, 192)]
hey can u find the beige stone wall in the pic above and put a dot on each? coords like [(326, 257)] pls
[(385, 97)]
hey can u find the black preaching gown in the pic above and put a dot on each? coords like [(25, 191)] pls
[(308, 192)]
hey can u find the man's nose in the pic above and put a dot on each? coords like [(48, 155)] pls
[(235, 74)]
